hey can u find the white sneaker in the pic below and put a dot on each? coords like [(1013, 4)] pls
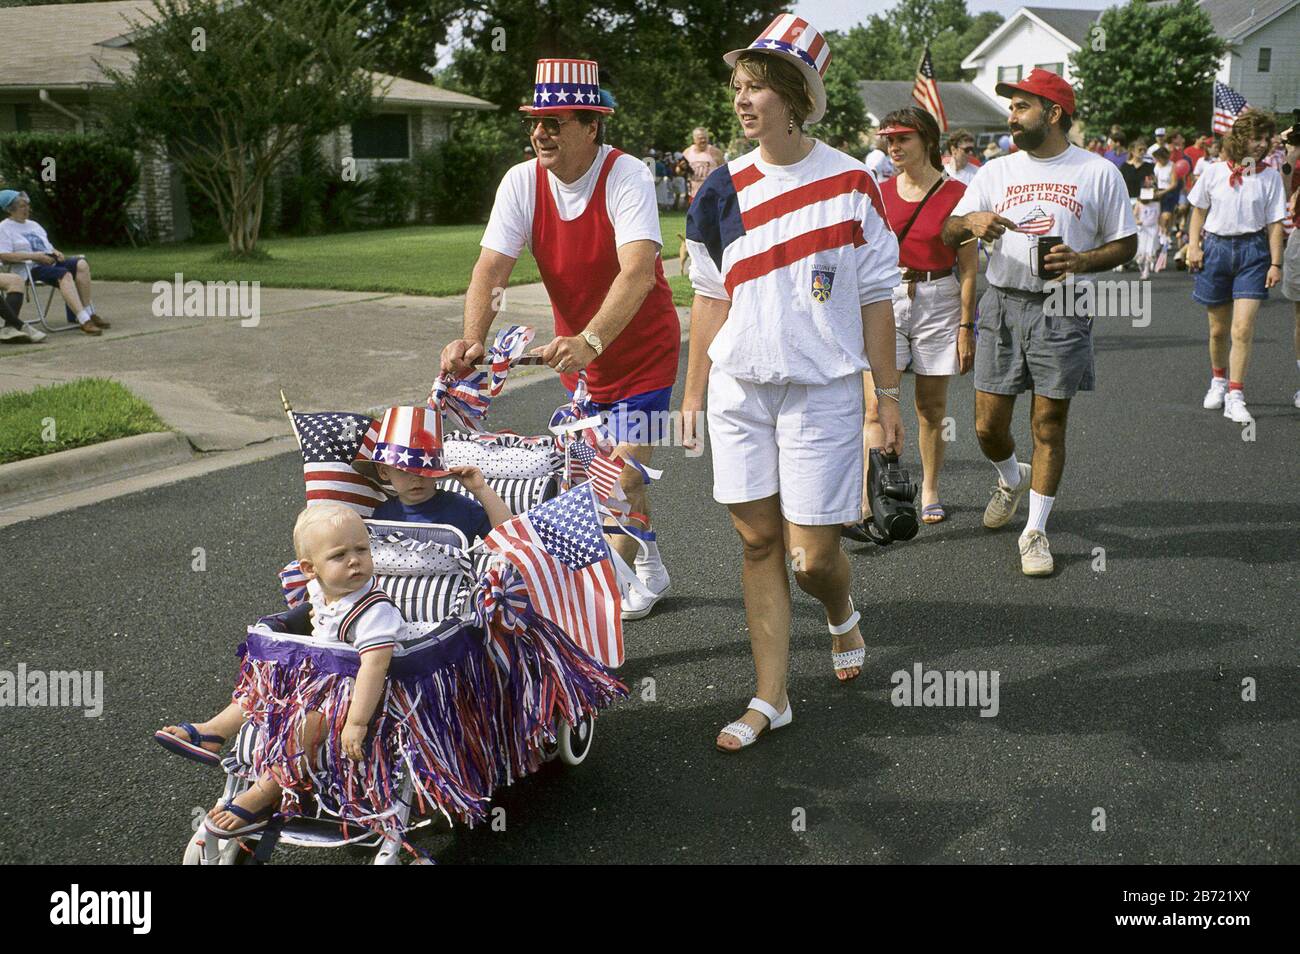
[(35, 333), (1214, 397), (1297, 399), (10, 333), (1234, 408), (636, 606), (1002, 505), (1035, 554)]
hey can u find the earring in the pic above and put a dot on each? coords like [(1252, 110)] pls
[(789, 129)]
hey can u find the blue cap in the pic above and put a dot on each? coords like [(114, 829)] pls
[(7, 198)]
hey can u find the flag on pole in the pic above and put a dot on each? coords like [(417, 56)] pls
[(560, 551), (329, 443), (1228, 105), (926, 91)]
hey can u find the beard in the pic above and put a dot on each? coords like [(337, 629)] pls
[(1030, 137)]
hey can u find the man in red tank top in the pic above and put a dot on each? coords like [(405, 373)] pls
[(588, 213)]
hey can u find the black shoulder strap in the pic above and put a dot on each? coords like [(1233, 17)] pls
[(933, 189)]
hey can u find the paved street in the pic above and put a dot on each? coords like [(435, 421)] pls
[(1120, 689)]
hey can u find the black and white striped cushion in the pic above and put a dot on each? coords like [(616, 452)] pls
[(427, 599), (519, 494)]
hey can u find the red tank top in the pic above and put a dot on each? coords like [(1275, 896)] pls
[(579, 262), (922, 248)]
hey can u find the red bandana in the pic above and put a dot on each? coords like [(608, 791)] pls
[(1234, 173)]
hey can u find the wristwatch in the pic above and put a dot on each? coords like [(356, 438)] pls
[(593, 339)]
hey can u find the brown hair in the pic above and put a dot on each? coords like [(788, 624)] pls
[(957, 136), (924, 124), (1251, 124), (784, 78)]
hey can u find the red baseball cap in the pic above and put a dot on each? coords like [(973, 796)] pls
[(1043, 83)]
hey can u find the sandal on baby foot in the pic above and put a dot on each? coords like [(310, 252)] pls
[(193, 749), (933, 513), (850, 658), (746, 733), (255, 821)]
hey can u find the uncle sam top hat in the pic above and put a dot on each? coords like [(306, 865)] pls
[(563, 85), (410, 439), (796, 40)]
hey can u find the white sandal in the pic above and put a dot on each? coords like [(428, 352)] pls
[(850, 658), (746, 732)]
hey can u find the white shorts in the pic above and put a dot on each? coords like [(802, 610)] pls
[(1291, 267), (925, 327), (801, 441)]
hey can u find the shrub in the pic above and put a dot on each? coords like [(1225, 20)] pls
[(392, 196), (459, 180), (84, 200)]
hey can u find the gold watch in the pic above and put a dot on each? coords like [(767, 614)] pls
[(593, 339)]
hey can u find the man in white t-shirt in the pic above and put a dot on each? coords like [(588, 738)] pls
[(961, 149), (587, 212), (877, 162), (1026, 342)]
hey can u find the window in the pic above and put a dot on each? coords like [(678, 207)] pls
[(1057, 68), (1010, 74), (22, 118), (1265, 58), (381, 137)]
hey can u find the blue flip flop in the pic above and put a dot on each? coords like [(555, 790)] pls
[(193, 749), (256, 821)]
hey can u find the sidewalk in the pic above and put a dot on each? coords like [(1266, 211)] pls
[(218, 383)]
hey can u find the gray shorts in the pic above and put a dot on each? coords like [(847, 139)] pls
[(1018, 348)]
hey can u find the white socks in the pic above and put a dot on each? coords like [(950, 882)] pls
[(83, 316), (1009, 471), (1039, 508), (648, 563)]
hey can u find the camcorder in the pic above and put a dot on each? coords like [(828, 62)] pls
[(892, 495)]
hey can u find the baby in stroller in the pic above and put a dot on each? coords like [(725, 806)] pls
[(411, 445), (333, 546)]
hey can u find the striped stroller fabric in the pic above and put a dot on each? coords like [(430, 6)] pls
[(519, 495), (427, 599), (503, 455)]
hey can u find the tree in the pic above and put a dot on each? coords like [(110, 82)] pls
[(1148, 61), (226, 91), (888, 46)]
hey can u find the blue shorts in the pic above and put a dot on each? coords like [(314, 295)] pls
[(640, 419), (53, 274), (1235, 267), (1169, 202)]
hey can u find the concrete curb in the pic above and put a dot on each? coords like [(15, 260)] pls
[(51, 475)]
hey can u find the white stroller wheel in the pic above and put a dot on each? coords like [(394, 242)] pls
[(228, 852), (575, 741)]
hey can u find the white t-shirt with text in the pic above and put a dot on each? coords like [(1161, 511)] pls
[(1078, 195), (22, 237)]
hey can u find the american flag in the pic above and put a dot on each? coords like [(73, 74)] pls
[(1037, 222), (1228, 105), (926, 91), (559, 549), (604, 473), (329, 442)]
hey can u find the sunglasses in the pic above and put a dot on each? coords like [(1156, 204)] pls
[(550, 126), (969, 150)]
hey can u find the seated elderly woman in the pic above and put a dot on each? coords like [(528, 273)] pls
[(23, 242), (11, 302)]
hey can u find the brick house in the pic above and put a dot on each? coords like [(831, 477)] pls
[(51, 79)]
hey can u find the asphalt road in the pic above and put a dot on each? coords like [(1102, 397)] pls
[(1120, 689)]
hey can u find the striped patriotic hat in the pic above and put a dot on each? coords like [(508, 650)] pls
[(795, 39), (562, 85), (410, 439)]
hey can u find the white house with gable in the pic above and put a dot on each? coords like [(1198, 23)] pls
[(1041, 37)]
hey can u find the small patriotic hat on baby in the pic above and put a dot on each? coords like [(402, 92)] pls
[(562, 85), (795, 39), (410, 439)]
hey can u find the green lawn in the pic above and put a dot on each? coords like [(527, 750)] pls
[(417, 260), (63, 416)]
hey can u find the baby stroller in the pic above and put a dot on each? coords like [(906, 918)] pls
[(484, 690)]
